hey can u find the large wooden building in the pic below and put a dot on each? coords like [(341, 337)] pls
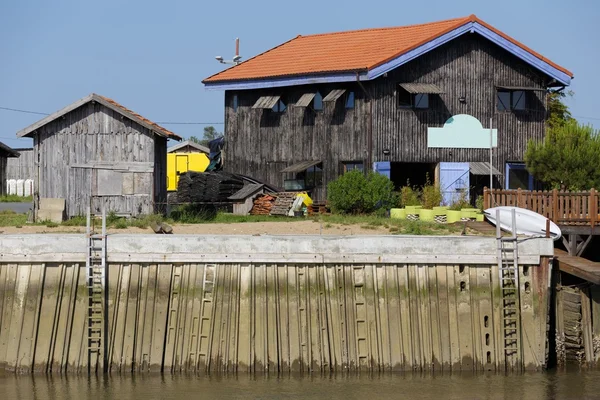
[(96, 153), (410, 102)]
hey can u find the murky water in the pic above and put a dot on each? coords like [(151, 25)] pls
[(550, 385)]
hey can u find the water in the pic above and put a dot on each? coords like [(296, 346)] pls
[(549, 385)]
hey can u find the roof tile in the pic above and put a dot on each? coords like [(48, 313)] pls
[(359, 50)]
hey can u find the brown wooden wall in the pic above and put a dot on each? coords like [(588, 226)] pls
[(260, 143), (132, 158)]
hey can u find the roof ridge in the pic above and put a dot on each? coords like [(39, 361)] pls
[(385, 28)]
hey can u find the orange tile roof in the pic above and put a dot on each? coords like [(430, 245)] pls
[(360, 50), (156, 127)]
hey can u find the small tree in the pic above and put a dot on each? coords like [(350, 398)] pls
[(568, 158), (355, 193), (210, 133)]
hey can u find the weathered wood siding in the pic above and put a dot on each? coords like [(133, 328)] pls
[(70, 149), (21, 167), (469, 66), (3, 176), (261, 143)]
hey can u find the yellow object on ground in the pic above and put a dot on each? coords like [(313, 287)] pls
[(305, 199), (178, 163)]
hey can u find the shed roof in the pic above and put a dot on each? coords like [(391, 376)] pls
[(482, 168), (109, 103), (7, 151), (189, 143), (246, 191), (369, 52)]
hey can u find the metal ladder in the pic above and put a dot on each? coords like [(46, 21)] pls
[(206, 314), (95, 267), (508, 270)]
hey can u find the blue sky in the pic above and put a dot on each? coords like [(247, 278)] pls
[(151, 56)]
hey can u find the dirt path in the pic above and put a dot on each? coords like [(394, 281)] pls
[(244, 228)]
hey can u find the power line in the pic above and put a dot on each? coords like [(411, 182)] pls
[(164, 123), (579, 116), (23, 111)]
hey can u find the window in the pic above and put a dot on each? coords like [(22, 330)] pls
[(318, 102), (517, 177), (235, 102), (412, 100), (313, 176), (351, 166), (350, 100), (511, 100), (279, 107)]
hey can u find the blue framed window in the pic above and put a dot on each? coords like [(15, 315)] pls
[(318, 102), (350, 100), (517, 177), (279, 107)]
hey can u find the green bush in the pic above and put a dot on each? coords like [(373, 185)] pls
[(461, 202), (479, 202), (432, 195), (356, 193), (409, 196)]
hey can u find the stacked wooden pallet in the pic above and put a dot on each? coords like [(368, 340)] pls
[(262, 205), (283, 203), (318, 208)]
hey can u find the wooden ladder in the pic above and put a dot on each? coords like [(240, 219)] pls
[(95, 267), (508, 270)]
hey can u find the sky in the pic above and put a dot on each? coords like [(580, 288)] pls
[(151, 56)]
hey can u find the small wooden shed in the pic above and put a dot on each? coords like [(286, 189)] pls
[(96, 152), (20, 167), (5, 153)]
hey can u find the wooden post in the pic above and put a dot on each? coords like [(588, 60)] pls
[(547, 227), (554, 215), (586, 326), (593, 207), (486, 198)]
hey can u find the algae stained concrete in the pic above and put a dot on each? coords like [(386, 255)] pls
[(289, 303)]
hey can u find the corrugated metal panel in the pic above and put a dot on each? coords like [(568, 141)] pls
[(415, 88), (266, 102), (305, 99), (529, 88), (301, 166), (482, 168), (454, 181), (334, 95), (246, 191)]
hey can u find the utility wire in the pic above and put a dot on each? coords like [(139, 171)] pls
[(164, 123)]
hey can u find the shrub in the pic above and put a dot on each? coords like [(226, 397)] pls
[(479, 202), (355, 193), (432, 195), (409, 196), (461, 202)]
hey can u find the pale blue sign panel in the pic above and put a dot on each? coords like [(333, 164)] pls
[(462, 131)]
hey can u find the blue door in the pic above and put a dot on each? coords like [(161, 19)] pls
[(382, 167), (454, 181), (517, 177)]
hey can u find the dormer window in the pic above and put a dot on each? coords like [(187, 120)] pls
[(416, 95)]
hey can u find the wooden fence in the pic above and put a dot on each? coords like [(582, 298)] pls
[(562, 207)]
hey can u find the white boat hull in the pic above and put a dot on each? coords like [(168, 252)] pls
[(528, 223)]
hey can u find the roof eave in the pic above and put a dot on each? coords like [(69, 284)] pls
[(30, 130)]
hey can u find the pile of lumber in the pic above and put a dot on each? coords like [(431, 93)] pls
[(207, 187), (262, 205), (318, 208), (283, 203)]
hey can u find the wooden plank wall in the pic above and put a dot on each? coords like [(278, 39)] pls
[(268, 317), (260, 143), (3, 176), (89, 134), (21, 167)]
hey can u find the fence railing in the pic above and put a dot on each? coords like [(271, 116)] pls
[(562, 207)]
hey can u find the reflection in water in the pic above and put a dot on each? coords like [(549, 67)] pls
[(551, 385)]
